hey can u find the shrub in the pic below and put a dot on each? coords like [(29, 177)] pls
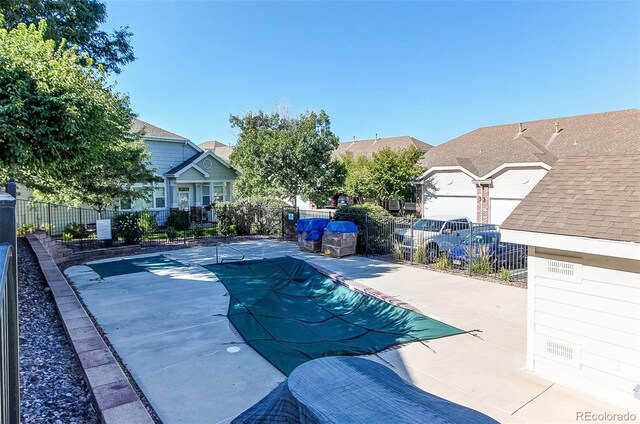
[(179, 220), (67, 237), (127, 226), (397, 252), (420, 255), (198, 230), (224, 217), (25, 229), (369, 217), (443, 262), (172, 234), (506, 274), (148, 222), (481, 265), (76, 230)]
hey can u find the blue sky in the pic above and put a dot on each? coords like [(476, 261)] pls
[(432, 70)]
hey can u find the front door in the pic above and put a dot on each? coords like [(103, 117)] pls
[(183, 198)]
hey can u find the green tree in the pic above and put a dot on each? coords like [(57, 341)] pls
[(64, 130), (359, 182), (394, 171), (78, 22), (285, 157), (387, 175)]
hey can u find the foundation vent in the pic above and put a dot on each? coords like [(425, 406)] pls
[(559, 350), (560, 268)]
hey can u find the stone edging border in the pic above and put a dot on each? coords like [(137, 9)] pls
[(114, 398)]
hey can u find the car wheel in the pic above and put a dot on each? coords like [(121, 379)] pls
[(432, 253)]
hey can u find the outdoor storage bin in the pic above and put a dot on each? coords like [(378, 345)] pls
[(310, 233), (340, 239)]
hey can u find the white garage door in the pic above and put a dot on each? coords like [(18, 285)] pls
[(458, 206), (500, 209)]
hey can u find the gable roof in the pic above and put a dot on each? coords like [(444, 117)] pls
[(217, 148), (487, 148), (596, 197), (184, 164), (368, 147), (153, 131)]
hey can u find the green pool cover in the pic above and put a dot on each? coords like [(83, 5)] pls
[(290, 313), (130, 266)]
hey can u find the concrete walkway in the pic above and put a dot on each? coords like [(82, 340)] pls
[(170, 329)]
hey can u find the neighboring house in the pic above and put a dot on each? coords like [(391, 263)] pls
[(486, 173), (217, 148), (192, 176), (369, 147), (582, 225)]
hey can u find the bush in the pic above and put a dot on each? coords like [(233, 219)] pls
[(172, 234), (198, 230), (224, 216), (148, 222), (506, 274), (179, 220), (67, 237), (127, 226), (443, 262), (397, 252), (420, 255), (25, 229), (77, 231), (481, 265), (379, 228)]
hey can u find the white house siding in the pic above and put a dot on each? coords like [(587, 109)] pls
[(584, 323), (168, 154), (508, 188), (455, 195)]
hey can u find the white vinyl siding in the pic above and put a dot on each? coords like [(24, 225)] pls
[(586, 307)]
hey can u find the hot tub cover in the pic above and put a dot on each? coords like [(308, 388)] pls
[(290, 313), (354, 390)]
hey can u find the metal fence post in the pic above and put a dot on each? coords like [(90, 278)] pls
[(470, 258), (412, 242), (8, 235), (366, 234)]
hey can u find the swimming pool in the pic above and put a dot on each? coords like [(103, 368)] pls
[(291, 313)]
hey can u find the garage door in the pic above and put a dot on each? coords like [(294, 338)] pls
[(500, 209), (458, 206)]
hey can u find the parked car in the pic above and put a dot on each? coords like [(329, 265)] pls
[(332, 201), (487, 243), (437, 234), (343, 200)]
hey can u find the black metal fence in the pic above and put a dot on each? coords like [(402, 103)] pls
[(454, 245), (448, 245), (9, 326), (79, 228)]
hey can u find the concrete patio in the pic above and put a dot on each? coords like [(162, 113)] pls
[(170, 329)]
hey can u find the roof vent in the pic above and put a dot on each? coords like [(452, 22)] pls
[(520, 128), (557, 125)]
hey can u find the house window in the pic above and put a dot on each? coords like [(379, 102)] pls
[(159, 197), (206, 195), (218, 193), (125, 203)]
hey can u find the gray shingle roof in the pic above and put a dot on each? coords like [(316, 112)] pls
[(487, 148), (368, 147), (184, 164), (153, 131), (218, 149), (596, 197)]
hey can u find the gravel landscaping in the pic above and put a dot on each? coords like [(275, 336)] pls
[(52, 387)]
